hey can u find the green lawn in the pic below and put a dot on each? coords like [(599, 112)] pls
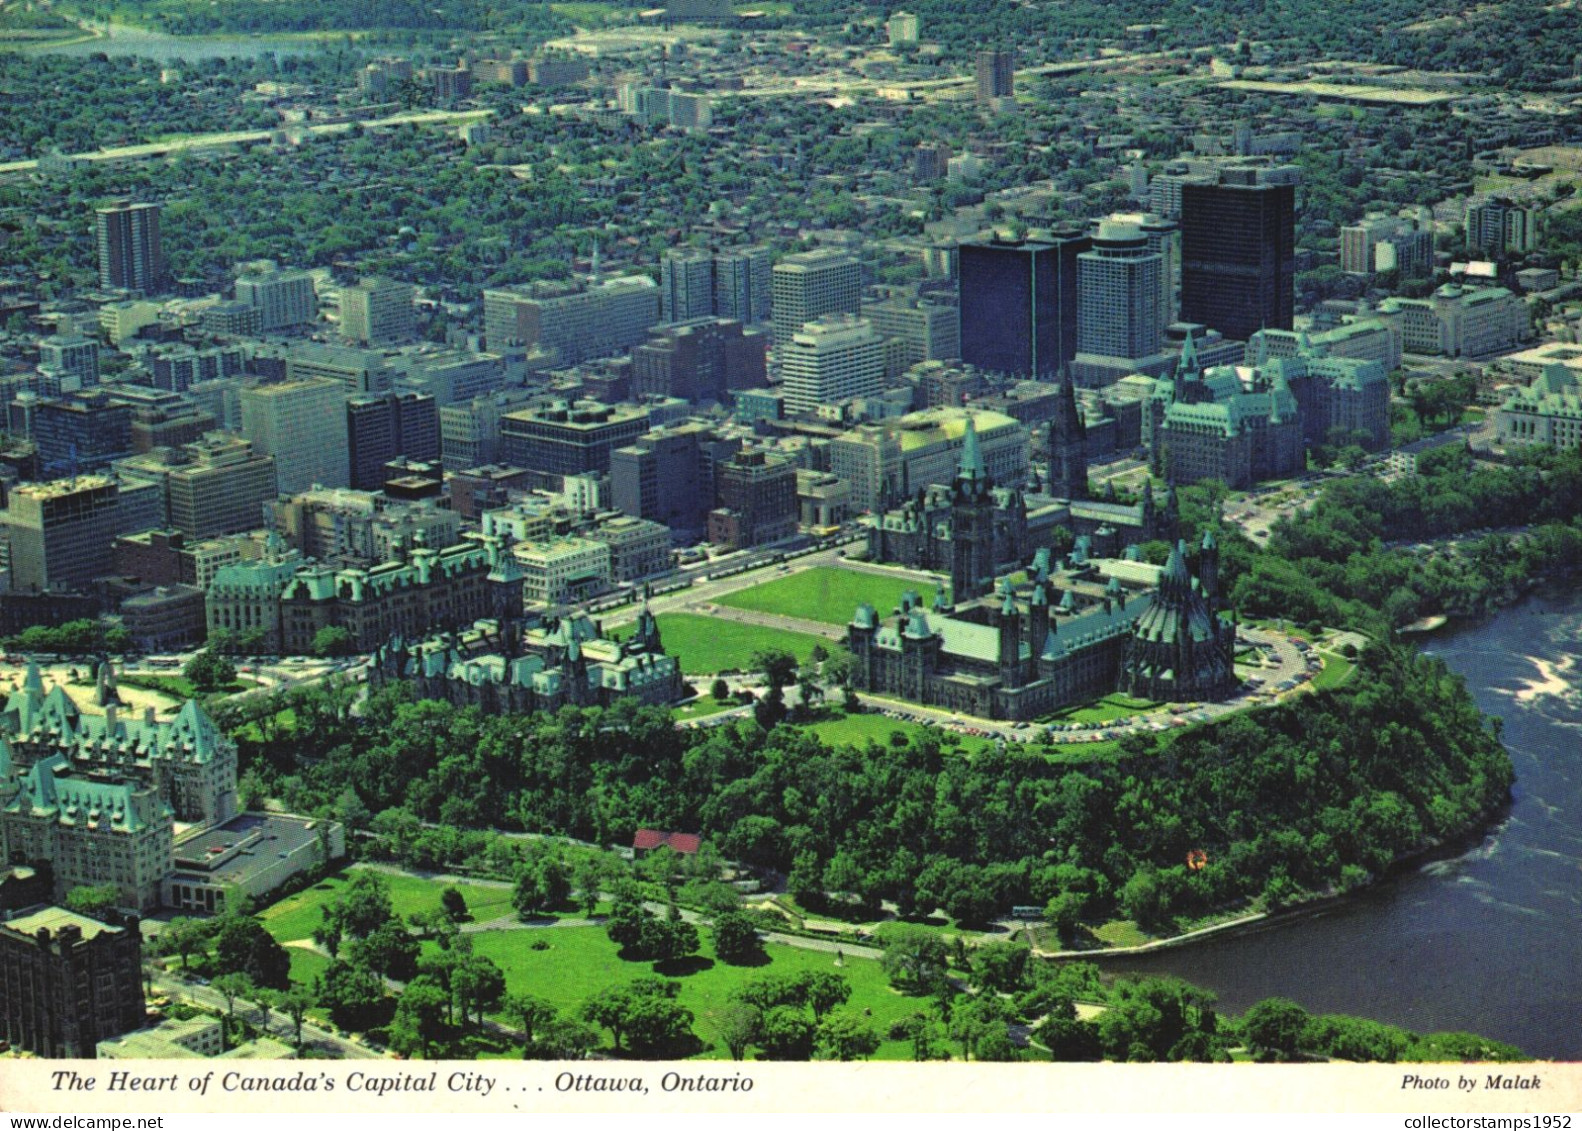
[(180, 687), (1335, 670), (830, 595), (856, 730), (306, 965), (1122, 933), (296, 916), (705, 645), (1105, 710), (580, 961), (701, 707)]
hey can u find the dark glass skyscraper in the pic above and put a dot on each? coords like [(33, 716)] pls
[(1238, 257), (1019, 303)]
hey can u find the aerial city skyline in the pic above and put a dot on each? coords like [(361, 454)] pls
[(986, 492)]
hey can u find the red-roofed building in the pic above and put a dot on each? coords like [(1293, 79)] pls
[(647, 840)]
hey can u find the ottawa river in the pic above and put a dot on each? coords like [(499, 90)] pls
[(119, 39), (1490, 941)]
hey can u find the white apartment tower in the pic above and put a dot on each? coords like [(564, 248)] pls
[(282, 298), (1119, 287), (830, 360), (377, 312)]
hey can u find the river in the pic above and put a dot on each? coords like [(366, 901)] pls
[(1490, 941), (119, 39)]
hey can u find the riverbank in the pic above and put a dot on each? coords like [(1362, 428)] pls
[(1490, 824)]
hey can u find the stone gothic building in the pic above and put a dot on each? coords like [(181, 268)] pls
[(500, 667), (1024, 654)]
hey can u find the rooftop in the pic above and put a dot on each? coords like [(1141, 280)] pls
[(52, 919)]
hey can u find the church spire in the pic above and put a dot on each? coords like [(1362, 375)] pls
[(971, 469), (1189, 367)]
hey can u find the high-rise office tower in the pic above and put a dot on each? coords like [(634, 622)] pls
[(81, 431), (130, 255), (1238, 256), (996, 71), (1019, 302), (811, 285), (686, 286), (301, 423), (383, 428), (742, 284), (1118, 283), (377, 312), (62, 533), (1164, 240), (831, 360), (215, 485)]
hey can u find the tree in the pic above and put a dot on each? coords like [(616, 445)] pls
[(915, 958), (1273, 1029), (1064, 914), (362, 906), (778, 667), (642, 1014), (208, 671), (333, 640), (738, 1027), (295, 1003), (95, 901), (736, 939), (823, 990), (231, 987), (242, 946), (564, 1038), (419, 1019), (1142, 899), (353, 995), (974, 1021), (846, 1036), (786, 1033), (541, 885), (389, 950), (185, 937), (454, 904), (720, 691), (479, 985), (532, 1013), (1000, 967)]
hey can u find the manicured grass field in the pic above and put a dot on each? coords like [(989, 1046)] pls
[(296, 916), (581, 960), (701, 707), (180, 687), (829, 595), (1335, 670), (705, 645), (306, 965), (856, 730), (1109, 708)]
